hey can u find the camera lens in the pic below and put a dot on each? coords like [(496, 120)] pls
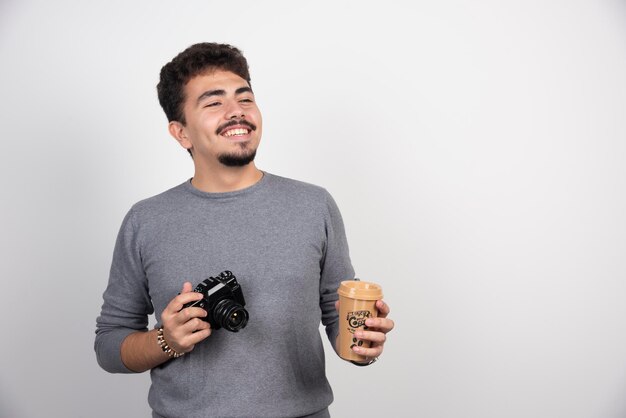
[(230, 315)]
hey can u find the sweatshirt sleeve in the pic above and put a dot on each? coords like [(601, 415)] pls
[(335, 267), (126, 303)]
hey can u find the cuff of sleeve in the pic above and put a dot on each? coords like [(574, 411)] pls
[(108, 348), (372, 361)]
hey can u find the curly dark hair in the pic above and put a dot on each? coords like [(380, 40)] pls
[(195, 60)]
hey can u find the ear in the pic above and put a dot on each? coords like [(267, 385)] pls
[(178, 131)]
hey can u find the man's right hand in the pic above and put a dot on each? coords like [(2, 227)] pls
[(184, 328)]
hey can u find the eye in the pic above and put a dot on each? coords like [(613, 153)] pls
[(246, 101), (212, 104)]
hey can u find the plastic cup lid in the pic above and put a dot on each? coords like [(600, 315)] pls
[(360, 290)]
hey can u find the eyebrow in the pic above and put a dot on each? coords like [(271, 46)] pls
[(220, 92)]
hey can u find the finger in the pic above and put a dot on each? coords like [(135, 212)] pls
[(383, 309), (337, 306), (188, 314), (373, 336), (196, 337), (177, 303), (187, 287), (187, 343), (368, 352), (179, 336), (193, 325), (382, 324)]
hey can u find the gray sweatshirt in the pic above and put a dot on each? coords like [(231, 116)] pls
[(285, 242)]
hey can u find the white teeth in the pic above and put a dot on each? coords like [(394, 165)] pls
[(237, 131)]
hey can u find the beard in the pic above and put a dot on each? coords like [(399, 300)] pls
[(238, 159)]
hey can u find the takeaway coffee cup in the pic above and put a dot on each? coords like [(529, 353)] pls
[(357, 302)]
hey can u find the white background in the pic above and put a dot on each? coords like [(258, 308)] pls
[(476, 149)]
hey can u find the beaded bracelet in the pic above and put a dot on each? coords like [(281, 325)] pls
[(166, 348)]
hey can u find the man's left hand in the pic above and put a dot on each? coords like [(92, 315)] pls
[(376, 333)]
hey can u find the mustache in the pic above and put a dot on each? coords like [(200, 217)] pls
[(235, 122)]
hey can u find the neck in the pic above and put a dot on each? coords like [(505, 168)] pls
[(226, 179)]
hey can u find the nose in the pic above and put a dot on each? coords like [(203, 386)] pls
[(235, 111)]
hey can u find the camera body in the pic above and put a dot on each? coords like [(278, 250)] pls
[(223, 300)]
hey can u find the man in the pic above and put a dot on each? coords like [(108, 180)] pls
[(284, 241)]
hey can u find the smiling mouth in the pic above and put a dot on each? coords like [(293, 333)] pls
[(236, 132), (236, 128)]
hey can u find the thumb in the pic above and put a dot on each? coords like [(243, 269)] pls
[(186, 287)]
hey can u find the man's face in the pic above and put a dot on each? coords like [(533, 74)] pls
[(223, 122)]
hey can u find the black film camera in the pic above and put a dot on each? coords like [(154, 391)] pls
[(223, 301)]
